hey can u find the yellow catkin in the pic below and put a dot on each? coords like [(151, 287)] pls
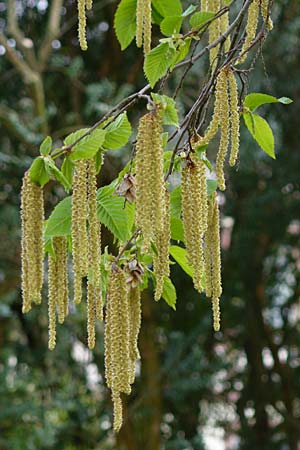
[(194, 215), (234, 118), (60, 246), (215, 122), (118, 367), (135, 325), (251, 28), (213, 260), (89, 4), (214, 31), (81, 5), (79, 228), (118, 412), (149, 176), (224, 24), (94, 300), (52, 296), (224, 120), (139, 22), (161, 261), (264, 7), (147, 26), (32, 215)]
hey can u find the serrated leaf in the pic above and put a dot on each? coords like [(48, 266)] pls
[(198, 19), (211, 186), (168, 8), (88, 146), (171, 25), (57, 174), (169, 293), (255, 99), (117, 133), (170, 115), (157, 62), (180, 256), (59, 222), (112, 214), (125, 22), (46, 146), (67, 169), (177, 233), (181, 52), (261, 132), (38, 173)]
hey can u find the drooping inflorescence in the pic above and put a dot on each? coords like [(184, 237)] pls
[(82, 5), (58, 295), (194, 215), (251, 28), (94, 299), (149, 177), (79, 228), (213, 259), (234, 118), (161, 261), (32, 214), (143, 24), (224, 120), (122, 324)]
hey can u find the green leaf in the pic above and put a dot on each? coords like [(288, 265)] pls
[(46, 146), (113, 215), (88, 146), (189, 10), (59, 222), (180, 256), (175, 202), (125, 22), (168, 7), (211, 186), (171, 25), (170, 115), (177, 233), (117, 133), (169, 293), (200, 18), (164, 138), (38, 173), (181, 52), (99, 161), (57, 174), (261, 132), (254, 100), (157, 62), (67, 169)]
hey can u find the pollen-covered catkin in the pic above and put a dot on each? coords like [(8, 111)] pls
[(215, 122), (139, 22), (234, 118), (135, 316), (149, 176), (224, 24), (143, 24), (194, 215), (32, 216), (161, 261), (79, 228), (213, 260), (81, 6), (251, 28), (264, 7), (94, 300), (214, 31), (52, 296), (118, 368), (225, 128)]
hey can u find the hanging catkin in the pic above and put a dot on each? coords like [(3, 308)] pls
[(194, 215), (251, 28), (224, 24), (134, 329), (234, 118), (161, 261), (149, 176), (213, 260), (32, 216), (224, 120), (79, 228), (81, 6), (57, 286), (94, 300), (143, 24), (214, 30), (118, 367), (264, 7)]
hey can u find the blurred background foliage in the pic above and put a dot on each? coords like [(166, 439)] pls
[(238, 389)]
